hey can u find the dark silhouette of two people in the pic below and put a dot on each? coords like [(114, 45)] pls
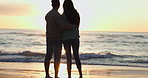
[(62, 29)]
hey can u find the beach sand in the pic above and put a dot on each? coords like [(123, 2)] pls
[(36, 70)]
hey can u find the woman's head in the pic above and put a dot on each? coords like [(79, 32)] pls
[(68, 5), (70, 12)]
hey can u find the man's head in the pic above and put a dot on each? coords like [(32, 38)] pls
[(55, 4)]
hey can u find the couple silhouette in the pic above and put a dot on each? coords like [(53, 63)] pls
[(62, 29)]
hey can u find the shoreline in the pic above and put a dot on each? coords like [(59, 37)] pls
[(36, 70)]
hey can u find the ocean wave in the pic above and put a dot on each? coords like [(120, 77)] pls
[(28, 56), (86, 58), (24, 34), (138, 61), (83, 56), (139, 36), (36, 35), (24, 53), (93, 55)]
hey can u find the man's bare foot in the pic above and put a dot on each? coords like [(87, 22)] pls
[(48, 77)]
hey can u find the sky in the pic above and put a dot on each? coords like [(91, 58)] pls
[(96, 15)]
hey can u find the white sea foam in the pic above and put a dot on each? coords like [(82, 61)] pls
[(92, 55)]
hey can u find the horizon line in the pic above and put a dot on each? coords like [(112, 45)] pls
[(80, 30)]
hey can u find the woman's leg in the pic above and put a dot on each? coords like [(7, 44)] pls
[(75, 46), (67, 47)]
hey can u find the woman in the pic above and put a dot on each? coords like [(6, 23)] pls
[(71, 37)]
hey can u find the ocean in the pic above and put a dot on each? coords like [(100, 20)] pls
[(96, 48)]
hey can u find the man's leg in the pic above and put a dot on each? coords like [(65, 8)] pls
[(57, 47), (49, 53)]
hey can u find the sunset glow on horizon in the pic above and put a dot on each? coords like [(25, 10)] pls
[(96, 15)]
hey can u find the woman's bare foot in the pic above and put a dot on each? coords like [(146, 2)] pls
[(57, 77), (81, 76)]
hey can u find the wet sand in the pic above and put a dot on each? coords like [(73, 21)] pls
[(36, 70)]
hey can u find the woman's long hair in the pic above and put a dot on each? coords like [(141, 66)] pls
[(71, 13)]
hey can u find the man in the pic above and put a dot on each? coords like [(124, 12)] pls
[(54, 27)]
